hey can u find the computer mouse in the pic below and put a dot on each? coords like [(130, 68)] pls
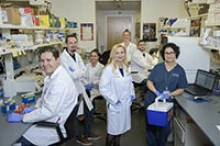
[(197, 98)]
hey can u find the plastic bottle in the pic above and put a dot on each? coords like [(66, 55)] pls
[(7, 107)]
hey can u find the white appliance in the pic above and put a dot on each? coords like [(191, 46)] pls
[(192, 56)]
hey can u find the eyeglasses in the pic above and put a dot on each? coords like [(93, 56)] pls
[(169, 53)]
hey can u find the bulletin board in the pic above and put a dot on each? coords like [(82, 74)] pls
[(87, 31), (149, 32)]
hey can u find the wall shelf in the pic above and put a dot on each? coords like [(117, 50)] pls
[(34, 47), (198, 16), (10, 26), (210, 47), (212, 24)]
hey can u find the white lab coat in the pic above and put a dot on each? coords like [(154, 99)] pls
[(141, 65), (77, 71), (113, 87), (93, 75), (130, 50), (59, 97)]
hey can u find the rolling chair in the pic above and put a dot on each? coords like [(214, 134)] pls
[(70, 125), (138, 104), (99, 115)]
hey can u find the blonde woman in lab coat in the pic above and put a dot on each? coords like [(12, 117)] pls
[(117, 88)]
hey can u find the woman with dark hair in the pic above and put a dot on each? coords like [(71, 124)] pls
[(167, 79), (93, 74)]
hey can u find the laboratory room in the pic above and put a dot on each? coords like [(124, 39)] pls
[(110, 72)]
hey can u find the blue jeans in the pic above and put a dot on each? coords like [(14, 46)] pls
[(24, 142), (88, 120), (86, 123)]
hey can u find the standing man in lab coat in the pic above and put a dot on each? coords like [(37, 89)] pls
[(57, 102), (76, 68), (130, 47), (117, 88)]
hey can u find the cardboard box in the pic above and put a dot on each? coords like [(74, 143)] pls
[(0, 15), (11, 15), (159, 113)]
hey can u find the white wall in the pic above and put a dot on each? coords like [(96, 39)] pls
[(83, 11), (151, 10)]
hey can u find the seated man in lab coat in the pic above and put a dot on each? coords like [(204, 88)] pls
[(57, 102), (141, 64)]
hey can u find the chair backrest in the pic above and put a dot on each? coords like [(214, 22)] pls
[(71, 125)]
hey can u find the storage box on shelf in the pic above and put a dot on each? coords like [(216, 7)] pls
[(55, 36), (210, 38), (174, 26)]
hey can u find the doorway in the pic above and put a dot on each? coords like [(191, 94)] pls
[(115, 28), (112, 18)]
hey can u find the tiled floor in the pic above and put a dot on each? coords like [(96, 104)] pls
[(135, 137)]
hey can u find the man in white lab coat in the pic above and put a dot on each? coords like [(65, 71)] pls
[(141, 64), (76, 68), (57, 102)]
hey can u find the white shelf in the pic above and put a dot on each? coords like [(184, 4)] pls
[(198, 16), (210, 47), (34, 47), (9, 51), (212, 24), (10, 26), (26, 68)]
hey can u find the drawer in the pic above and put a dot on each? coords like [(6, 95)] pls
[(179, 130)]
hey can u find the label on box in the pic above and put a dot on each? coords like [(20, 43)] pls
[(4, 16)]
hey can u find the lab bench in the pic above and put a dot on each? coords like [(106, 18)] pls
[(11, 132), (195, 123)]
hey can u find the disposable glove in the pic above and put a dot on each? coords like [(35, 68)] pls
[(157, 93), (118, 102), (71, 69), (14, 117), (89, 86), (165, 95), (132, 97), (28, 110)]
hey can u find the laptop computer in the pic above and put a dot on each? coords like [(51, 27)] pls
[(204, 83)]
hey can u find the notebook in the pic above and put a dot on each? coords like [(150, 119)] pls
[(204, 83)]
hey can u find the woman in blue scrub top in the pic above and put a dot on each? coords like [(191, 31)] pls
[(167, 79)]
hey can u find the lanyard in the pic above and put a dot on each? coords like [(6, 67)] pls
[(168, 77)]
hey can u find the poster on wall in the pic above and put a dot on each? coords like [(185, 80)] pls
[(195, 27), (87, 31), (149, 32)]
